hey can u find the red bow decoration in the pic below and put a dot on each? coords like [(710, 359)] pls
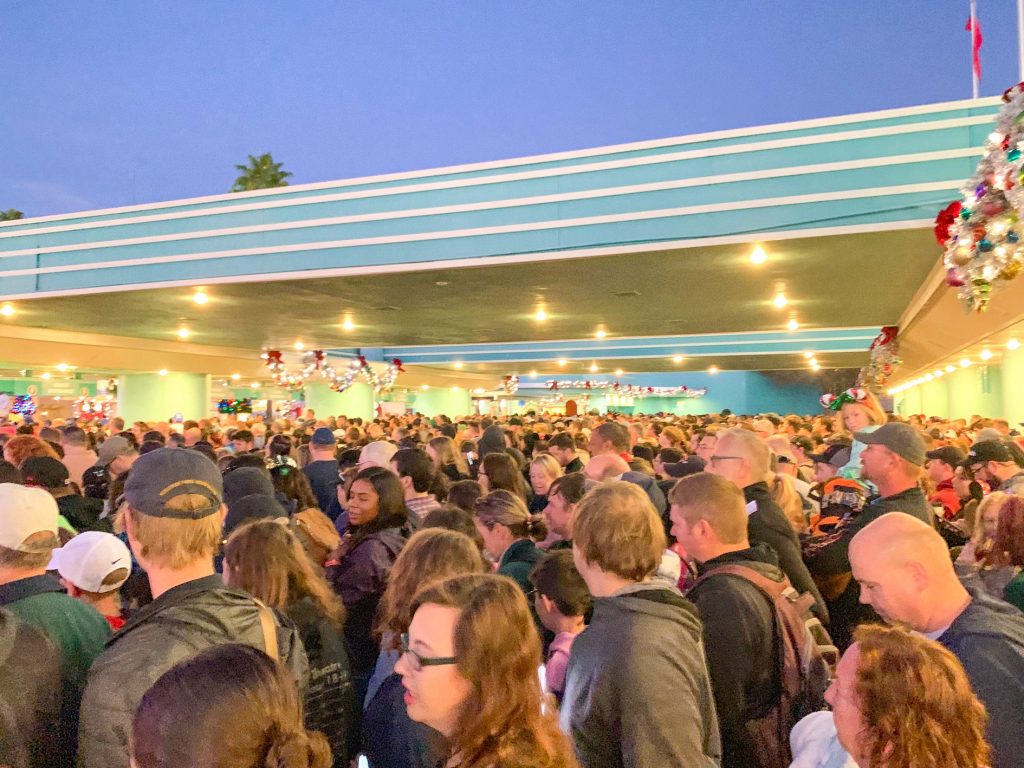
[(1012, 91), (587, 385), (273, 357), (886, 336), (362, 361), (318, 358), (398, 364), (553, 386), (947, 216)]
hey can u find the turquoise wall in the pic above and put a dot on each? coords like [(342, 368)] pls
[(438, 400), (151, 397), (355, 402)]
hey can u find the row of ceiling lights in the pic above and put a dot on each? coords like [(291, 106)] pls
[(965, 362)]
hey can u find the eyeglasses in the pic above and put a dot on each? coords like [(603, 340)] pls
[(418, 662), (716, 459)]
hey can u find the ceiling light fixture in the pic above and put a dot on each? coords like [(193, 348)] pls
[(758, 256), (600, 333), (939, 373), (45, 376), (1012, 344), (677, 359), (593, 368), (965, 362), (808, 355), (619, 372), (162, 371), (458, 365), (236, 376), (780, 300), (7, 310), (986, 354), (184, 333), (299, 346), (533, 374), (347, 323), (540, 315), (62, 367), (424, 387), (792, 324), (562, 362), (950, 369), (713, 370), (200, 297), (255, 385), (479, 391)]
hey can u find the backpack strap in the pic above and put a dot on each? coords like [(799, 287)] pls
[(268, 625), (773, 589)]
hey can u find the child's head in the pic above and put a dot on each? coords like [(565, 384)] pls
[(561, 591), (93, 565)]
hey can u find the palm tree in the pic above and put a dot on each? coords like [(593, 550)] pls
[(261, 173), (11, 214)]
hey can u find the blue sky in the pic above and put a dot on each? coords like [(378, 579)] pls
[(107, 103)]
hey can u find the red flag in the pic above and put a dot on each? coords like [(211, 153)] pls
[(974, 27)]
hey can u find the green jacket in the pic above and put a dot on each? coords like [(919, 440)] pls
[(78, 632)]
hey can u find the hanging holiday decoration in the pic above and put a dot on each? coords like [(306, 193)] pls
[(314, 365), (24, 405), (235, 406), (91, 408), (982, 235), (510, 384), (882, 360), (628, 389), (107, 385)]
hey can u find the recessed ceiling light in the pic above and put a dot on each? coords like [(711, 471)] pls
[(236, 376), (713, 369), (950, 369), (815, 367), (162, 371), (677, 358), (458, 365), (593, 368), (424, 386), (456, 388), (255, 385), (299, 346), (758, 256), (45, 376), (813, 361), (1012, 344), (7, 310), (441, 283), (200, 297), (619, 372), (965, 362), (347, 323), (986, 354), (183, 333), (562, 362), (600, 333), (62, 367), (792, 324), (808, 355), (540, 315), (780, 300), (479, 391), (939, 372), (533, 374)]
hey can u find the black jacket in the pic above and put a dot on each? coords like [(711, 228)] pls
[(768, 525), (988, 639), (391, 739), (518, 560), (330, 703), (181, 623), (637, 692), (30, 724), (740, 639)]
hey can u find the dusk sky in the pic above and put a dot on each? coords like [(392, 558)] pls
[(114, 103)]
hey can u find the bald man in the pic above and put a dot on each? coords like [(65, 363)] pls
[(905, 574), (610, 466)]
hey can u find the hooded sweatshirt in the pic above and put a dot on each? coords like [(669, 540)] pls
[(637, 690), (988, 639)]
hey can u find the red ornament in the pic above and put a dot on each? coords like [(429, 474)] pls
[(1012, 91), (947, 216), (953, 279), (991, 208), (398, 364)]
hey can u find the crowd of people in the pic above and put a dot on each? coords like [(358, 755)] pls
[(530, 591)]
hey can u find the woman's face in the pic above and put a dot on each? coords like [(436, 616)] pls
[(846, 712), (990, 521), (363, 504), (434, 695), (663, 441), (856, 417), (484, 481), (495, 543), (540, 479)]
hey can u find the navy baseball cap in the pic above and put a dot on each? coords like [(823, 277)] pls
[(323, 436), (169, 482)]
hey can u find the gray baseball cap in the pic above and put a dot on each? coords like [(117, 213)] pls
[(112, 447), (170, 482), (901, 439)]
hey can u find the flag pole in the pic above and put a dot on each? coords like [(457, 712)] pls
[(974, 27), (1020, 37)]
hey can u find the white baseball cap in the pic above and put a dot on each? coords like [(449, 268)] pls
[(378, 453), (25, 511), (89, 558)]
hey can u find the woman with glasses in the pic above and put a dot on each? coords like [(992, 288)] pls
[(469, 670), (378, 526), (390, 738)]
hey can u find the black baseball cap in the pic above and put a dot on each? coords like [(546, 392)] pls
[(160, 480), (948, 454), (836, 454), (987, 450), (44, 471)]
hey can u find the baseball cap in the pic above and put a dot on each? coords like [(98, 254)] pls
[(113, 447), (688, 466), (89, 558), (256, 506), (837, 454), (44, 471), (26, 511), (323, 436), (987, 450), (901, 439), (168, 482), (987, 434), (377, 453), (949, 454)]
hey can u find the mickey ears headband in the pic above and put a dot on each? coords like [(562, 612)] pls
[(835, 402)]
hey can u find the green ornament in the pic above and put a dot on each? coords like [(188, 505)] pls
[(1013, 155), (965, 214)]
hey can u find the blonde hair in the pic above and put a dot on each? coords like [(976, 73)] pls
[(548, 463), (498, 649), (870, 403), (503, 507), (785, 494), (447, 453), (171, 542), (674, 435), (717, 501), (35, 552), (616, 528)]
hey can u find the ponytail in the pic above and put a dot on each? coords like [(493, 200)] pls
[(298, 749), (536, 527)]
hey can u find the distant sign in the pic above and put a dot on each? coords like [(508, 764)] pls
[(62, 387)]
